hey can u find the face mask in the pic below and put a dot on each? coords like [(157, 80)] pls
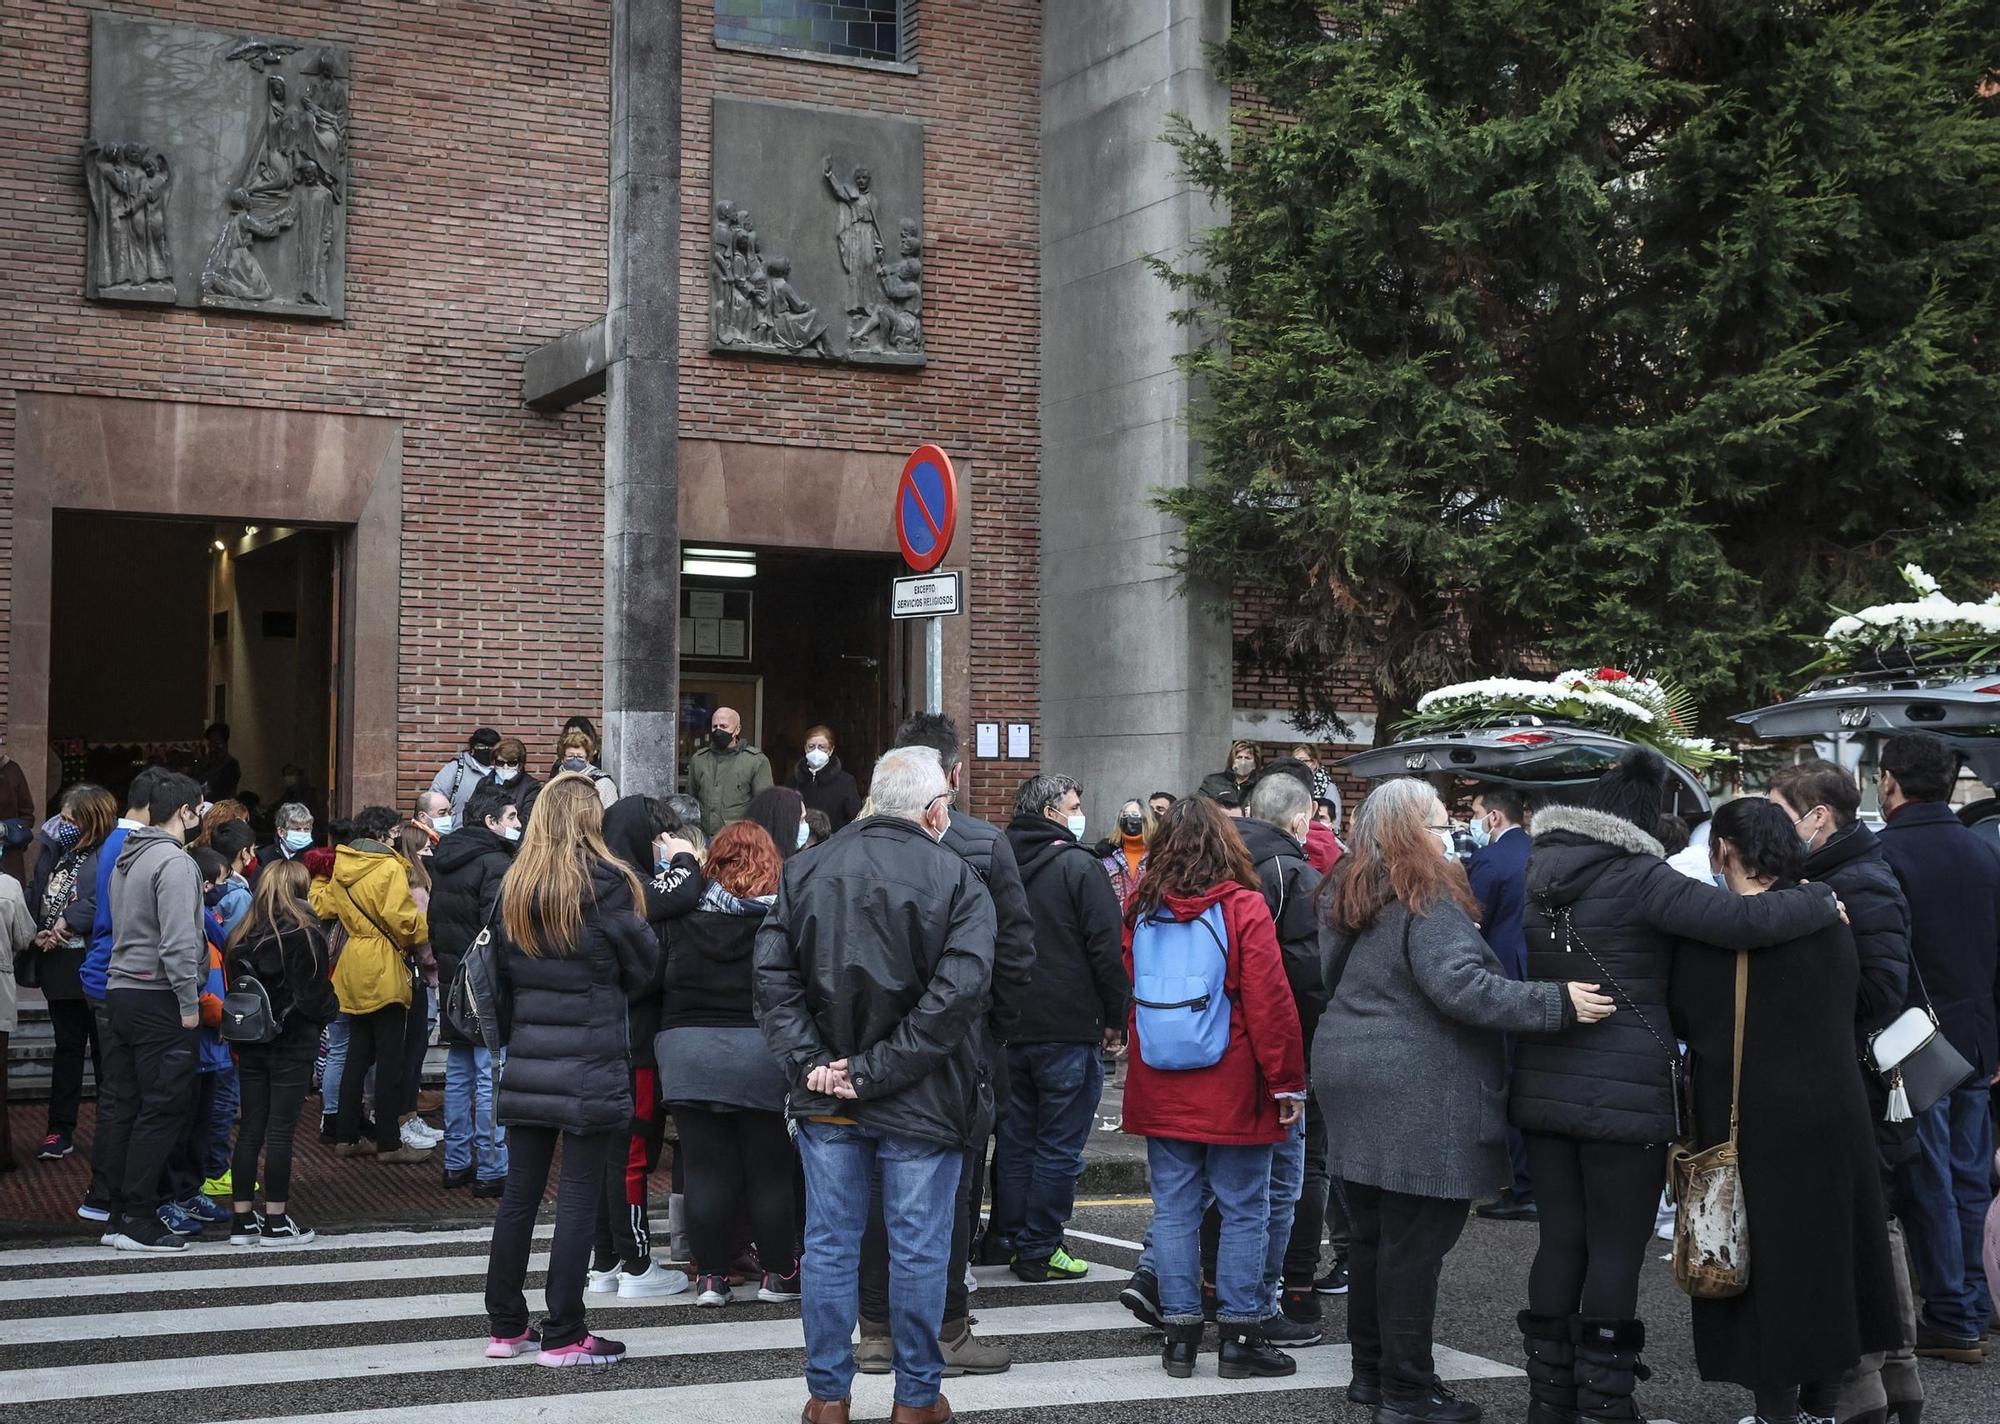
[(1131, 825), (298, 840), (574, 763), (1244, 766), (1449, 842), (442, 825), (1076, 826), (1721, 880), (817, 759), (512, 833), (720, 739), (1805, 837), (505, 774), (64, 833), (1481, 837), (483, 755), (805, 834)]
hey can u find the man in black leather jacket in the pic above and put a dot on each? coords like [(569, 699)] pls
[(872, 973)]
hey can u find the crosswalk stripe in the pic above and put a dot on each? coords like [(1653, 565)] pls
[(356, 1241), (246, 1277), (107, 1324), (1071, 1383), (203, 1371)]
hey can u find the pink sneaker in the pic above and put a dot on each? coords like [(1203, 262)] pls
[(506, 1347), (590, 1350)]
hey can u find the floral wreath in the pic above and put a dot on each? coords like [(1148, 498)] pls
[(1930, 631), (1651, 711)]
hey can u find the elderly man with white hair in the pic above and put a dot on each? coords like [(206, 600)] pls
[(872, 973)]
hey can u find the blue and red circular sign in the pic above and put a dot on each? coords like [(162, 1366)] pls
[(926, 508)]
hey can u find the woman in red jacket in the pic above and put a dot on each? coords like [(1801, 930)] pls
[(1211, 1128)]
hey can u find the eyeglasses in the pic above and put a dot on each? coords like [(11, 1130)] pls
[(1445, 827)]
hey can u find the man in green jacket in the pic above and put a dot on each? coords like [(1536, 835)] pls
[(726, 773)]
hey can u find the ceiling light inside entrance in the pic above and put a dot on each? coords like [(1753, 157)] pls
[(719, 563)]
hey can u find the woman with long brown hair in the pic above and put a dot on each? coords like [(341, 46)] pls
[(573, 946), (1216, 1078), (281, 944), (62, 896), (1409, 1069)]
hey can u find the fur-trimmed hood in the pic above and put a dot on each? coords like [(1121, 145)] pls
[(1574, 846)]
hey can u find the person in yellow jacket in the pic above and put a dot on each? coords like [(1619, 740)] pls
[(369, 893)]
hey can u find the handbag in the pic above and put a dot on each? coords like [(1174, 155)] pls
[(1916, 1059), (1712, 1224)]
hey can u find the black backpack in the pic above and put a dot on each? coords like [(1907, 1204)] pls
[(247, 1014), (472, 1004)]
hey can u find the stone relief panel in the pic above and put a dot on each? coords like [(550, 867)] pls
[(216, 169), (816, 237)]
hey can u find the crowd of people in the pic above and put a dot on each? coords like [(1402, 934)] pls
[(853, 1019)]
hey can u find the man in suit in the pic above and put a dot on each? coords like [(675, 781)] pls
[(1951, 878), (1498, 870)]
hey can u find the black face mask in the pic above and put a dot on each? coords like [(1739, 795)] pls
[(720, 739), (1131, 825), (483, 755)]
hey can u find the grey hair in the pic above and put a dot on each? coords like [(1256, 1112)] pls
[(426, 794), (1280, 797), (906, 781), (294, 813), (1043, 793), (1392, 800)]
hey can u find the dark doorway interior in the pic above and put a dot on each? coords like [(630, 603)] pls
[(819, 648), (160, 626)]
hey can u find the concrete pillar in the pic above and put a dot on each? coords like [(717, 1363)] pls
[(642, 394), (1135, 673)]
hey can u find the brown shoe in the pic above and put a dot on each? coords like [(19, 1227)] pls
[(355, 1149), (405, 1154), (824, 1411), (939, 1413), (967, 1354), (429, 1100)]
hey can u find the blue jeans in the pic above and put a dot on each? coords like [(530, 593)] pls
[(336, 1065), (1053, 1094), (918, 1183), (468, 1112), (1944, 1211), (1288, 1178), (1183, 1174), (221, 1122)]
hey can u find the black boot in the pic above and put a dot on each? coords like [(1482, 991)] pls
[(1245, 1352), (1551, 1368), (1183, 1344), (1433, 1404), (1607, 1368)]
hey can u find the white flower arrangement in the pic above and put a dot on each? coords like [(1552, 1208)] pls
[(1551, 696), (1928, 629), (1606, 699)]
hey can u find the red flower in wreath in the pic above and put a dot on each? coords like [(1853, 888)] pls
[(1611, 675)]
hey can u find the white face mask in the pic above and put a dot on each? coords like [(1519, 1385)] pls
[(1076, 825), (805, 834), (505, 774), (817, 759), (441, 824), (512, 833), (1449, 842)]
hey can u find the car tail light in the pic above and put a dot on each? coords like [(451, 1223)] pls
[(1528, 739), (1991, 690)]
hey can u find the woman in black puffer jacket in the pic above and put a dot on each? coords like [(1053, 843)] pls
[(573, 947), (1598, 1106)]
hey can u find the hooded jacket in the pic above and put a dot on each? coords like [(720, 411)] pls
[(1233, 1102), (1290, 884), (1614, 1081), (369, 893), (1853, 864), (670, 894), (458, 779), (569, 1061), (97, 960), (879, 950), (1951, 878), (986, 850), (157, 911), (1080, 985), (830, 790), (466, 869)]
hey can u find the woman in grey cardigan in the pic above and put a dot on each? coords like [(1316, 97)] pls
[(1408, 1068)]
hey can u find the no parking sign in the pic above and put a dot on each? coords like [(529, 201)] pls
[(926, 512)]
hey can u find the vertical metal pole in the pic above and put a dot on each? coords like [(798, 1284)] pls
[(934, 665)]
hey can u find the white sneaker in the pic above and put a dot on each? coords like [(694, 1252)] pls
[(655, 1282), (605, 1282), (417, 1137), (971, 1281)]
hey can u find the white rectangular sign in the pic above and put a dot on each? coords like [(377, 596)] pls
[(926, 596)]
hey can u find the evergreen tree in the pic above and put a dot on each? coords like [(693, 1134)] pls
[(1616, 331)]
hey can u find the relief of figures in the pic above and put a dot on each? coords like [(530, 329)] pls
[(752, 303), (129, 186), (895, 322), (859, 237)]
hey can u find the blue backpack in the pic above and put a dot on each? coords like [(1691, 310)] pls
[(1181, 1014)]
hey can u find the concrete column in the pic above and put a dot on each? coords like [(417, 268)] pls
[(1135, 673), (642, 393)]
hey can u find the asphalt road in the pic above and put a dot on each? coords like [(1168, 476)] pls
[(371, 1326)]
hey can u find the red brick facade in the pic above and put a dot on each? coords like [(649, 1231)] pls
[(477, 231)]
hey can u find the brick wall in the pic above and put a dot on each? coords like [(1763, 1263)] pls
[(477, 232), (978, 93)]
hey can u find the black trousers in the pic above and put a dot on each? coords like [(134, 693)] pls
[(1598, 1201), (1396, 1250), (187, 1165), (738, 1164), (111, 1088), (875, 1249), (530, 1152), (75, 1028), (149, 1061), (416, 1042), (624, 1226), (374, 1040), (274, 1083)]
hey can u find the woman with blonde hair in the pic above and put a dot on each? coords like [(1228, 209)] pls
[(1124, 850), (1242, 762), (576, 753), (1409, 1070), (572, 947)]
